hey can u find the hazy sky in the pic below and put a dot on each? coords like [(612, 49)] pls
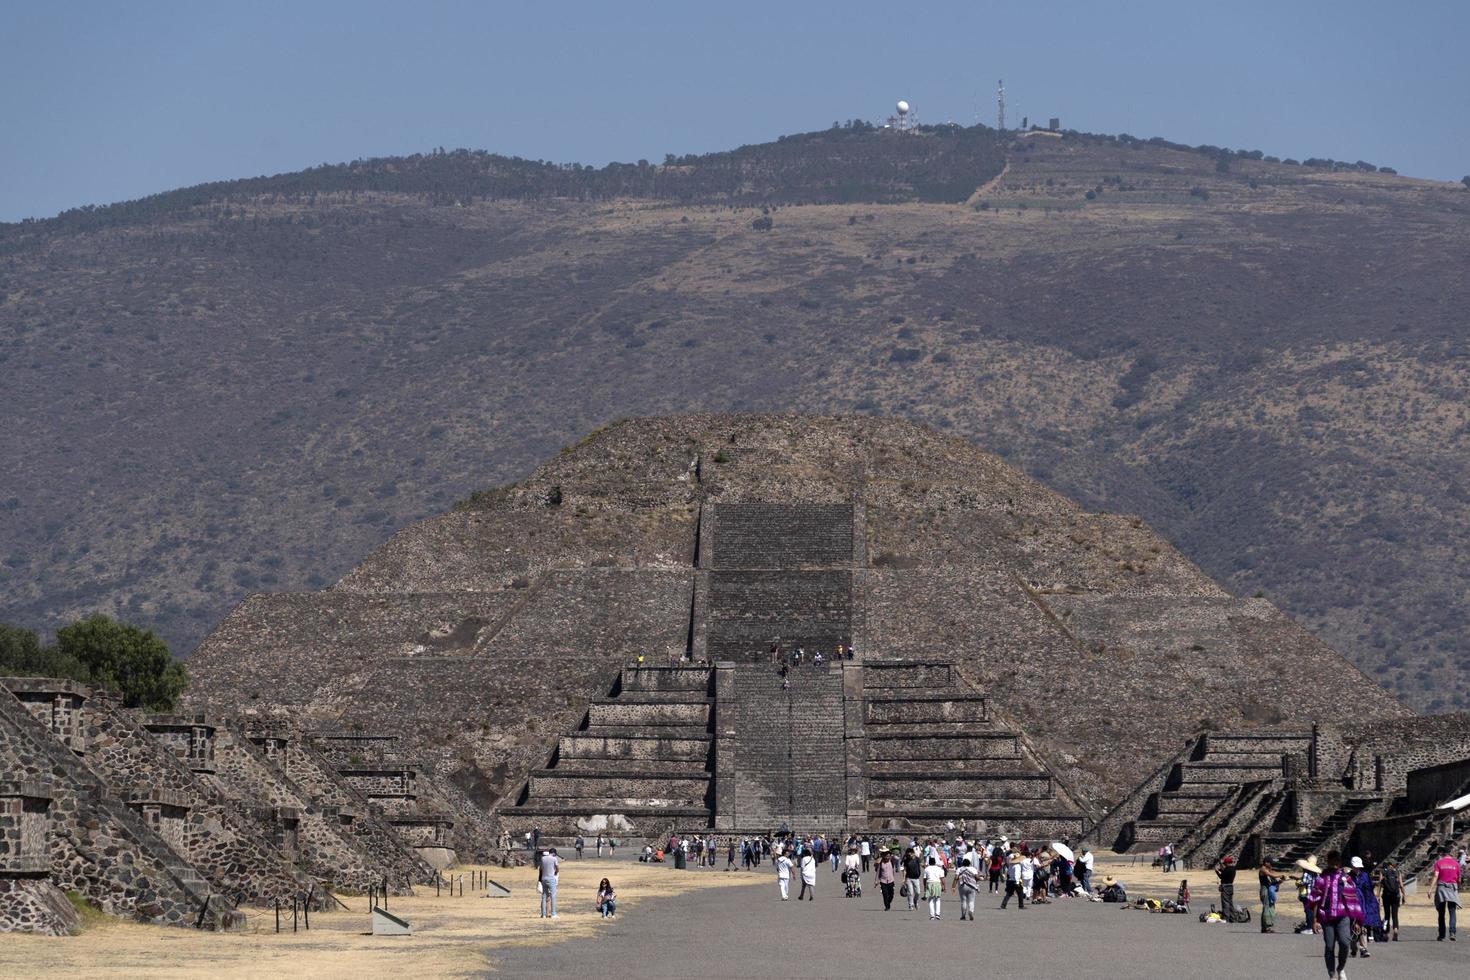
[(106, 101)]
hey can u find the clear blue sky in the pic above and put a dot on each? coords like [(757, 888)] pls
[(106, 101)]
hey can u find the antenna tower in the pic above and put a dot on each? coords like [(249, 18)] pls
[(1000, 105)]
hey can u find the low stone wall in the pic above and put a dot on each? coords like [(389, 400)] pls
[(915, 711), (943, 789), (981, 745), (649, 714), (623, 748)]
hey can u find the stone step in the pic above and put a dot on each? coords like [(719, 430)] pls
[(982, 764), (930, 729), (955, 786), (659, 769), (1206, 772), (662, 680), (896, 677), (903, 746), (780, 535), (696, 732), (553, 784), (932, 709), (1173, 803), (634, 747), (649, 713)]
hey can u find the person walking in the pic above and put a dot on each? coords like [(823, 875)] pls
[(607, 900), (550, 865), (783, 874), (579, 843), (1370, 925), (997, 868), (913, 875), (601, 842), (1334, 899), (1014, 882), (808, 876), (934, 887), (1390, 897), (1444, 885), (967, 883), (1225, 872), (1310, 870), (884, 875), (865, 851)]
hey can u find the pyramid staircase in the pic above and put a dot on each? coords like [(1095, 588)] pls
[(640, 763), (935, 755)]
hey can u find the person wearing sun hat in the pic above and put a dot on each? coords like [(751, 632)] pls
[(1310, 870)]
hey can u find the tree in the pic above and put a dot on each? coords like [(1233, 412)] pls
[(1466, 182), (22, 655), (133, 662)]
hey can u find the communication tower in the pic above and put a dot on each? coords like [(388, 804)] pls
[(1000, 105)]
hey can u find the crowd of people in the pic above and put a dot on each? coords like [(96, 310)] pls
[(1352, 903)]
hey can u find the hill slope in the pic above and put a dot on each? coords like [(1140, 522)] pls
[(247, 386)]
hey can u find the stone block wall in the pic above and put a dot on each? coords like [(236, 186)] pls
[(748, 611), (229, 844), (35, 905), (791, 756), (771, 535), (99, 847)]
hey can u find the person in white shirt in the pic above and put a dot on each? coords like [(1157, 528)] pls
[(967, 883), (808, 877), (1014, 884), (1084, 870), (934, 887), (783, 874)]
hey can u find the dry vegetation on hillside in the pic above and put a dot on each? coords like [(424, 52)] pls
[(248, 387)]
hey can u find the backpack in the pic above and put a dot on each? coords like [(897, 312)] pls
[(1392, 884)]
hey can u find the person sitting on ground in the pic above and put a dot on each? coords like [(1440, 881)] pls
[(607, 900), (1113, 891)]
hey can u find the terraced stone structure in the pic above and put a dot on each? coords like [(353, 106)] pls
[(179, 820), (1017, 661)]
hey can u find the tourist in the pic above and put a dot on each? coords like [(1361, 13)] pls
[(601, 843), (607, 900), (865, 851), (530, 846), (1114, 891), (808, 877), (1444, 885), (1015, 884), (1370, 924), (1084, 870), (535, 838), (997, 868), (913, 873), (550, 864), (1334, 901), (1310, 870), (612, 847), (1225, 872), (730, 854), (884, 876), (934, 887), (579, 843), (967, 883), (783, 874), (1390, 897), (1270, 880)]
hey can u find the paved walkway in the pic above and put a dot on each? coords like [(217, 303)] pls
[(748, 932)]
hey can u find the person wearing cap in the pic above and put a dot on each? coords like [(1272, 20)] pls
[(1368, 901), (1084, 870), (1310, 870), (1444, 885), (1225, 871), (885, 874)]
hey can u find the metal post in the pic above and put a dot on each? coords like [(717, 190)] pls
[(293, 913), (278, 915), (306, 905)]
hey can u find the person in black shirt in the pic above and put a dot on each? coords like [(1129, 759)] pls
[(1225, 871)]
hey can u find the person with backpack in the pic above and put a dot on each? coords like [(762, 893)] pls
[(967, 883), (997, 868), (1334, 900), (1390, 897), (1310, 870), (808, 865), (1015, 883), (1270, 879), (1370, 926)]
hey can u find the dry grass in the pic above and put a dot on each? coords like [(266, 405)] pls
[(453, 937)]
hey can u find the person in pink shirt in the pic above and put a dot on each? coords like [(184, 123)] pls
[(1444, 885), (1334, 900)]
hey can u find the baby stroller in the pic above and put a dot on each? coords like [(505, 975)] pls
[(854, 882)]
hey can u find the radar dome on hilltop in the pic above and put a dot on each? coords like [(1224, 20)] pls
[(903, 107)]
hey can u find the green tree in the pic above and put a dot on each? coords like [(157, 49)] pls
[(21, 655), (133, 662)]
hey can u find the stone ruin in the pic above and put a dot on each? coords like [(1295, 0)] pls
[(591, 651), (185, 820)]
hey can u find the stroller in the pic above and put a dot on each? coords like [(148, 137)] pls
[(854, 882)]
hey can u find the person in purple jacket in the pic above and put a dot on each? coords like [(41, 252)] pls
[(1334, 900)]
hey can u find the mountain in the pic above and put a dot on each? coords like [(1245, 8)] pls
[(247, 385)]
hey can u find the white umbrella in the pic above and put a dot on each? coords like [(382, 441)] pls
[(1063, 850)]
